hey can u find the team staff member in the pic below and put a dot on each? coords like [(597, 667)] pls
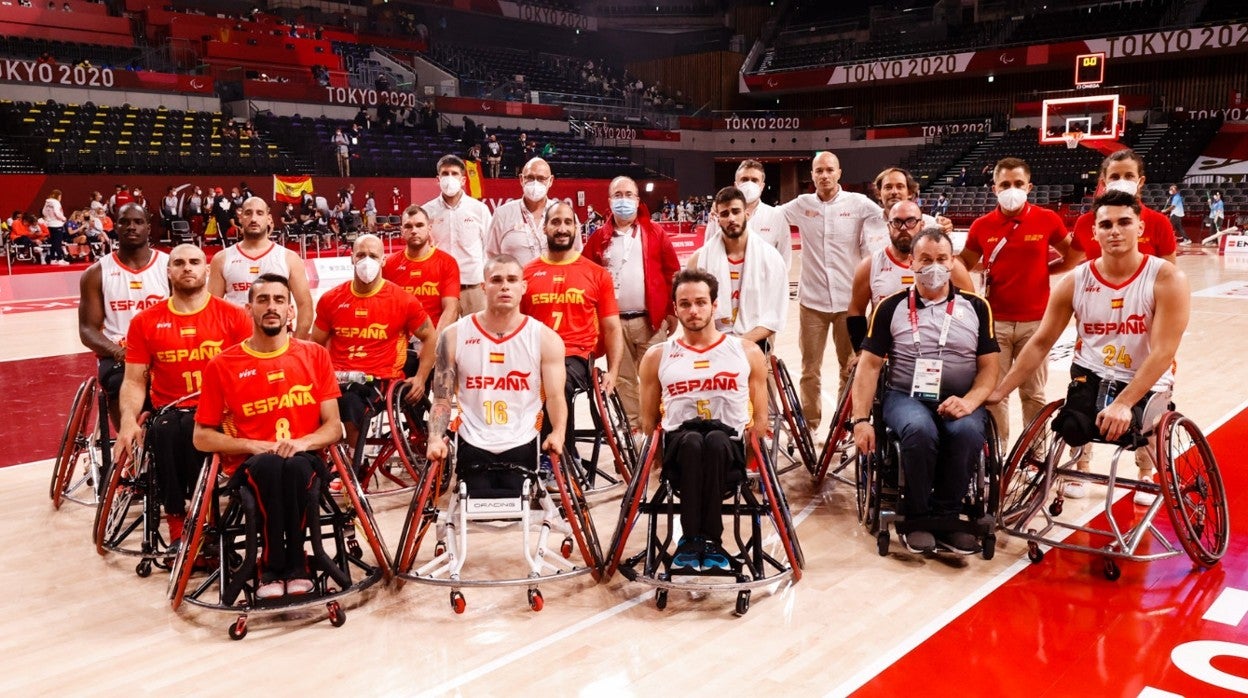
[(233, 271), (365, 323), (497, 364), (641, 260), (1130, 311), (764, 222), (576, 298), (169, 344), (268, 406), (753, 275), (1124, 171), (832, 224), (1014, 242), (516, 228), (704, 420), (113, 290), (892, 186), (938, 340), (459, 225)]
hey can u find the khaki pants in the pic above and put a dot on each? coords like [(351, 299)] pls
[(638, 337), (471, 300), (1012, 336), (813, 340)]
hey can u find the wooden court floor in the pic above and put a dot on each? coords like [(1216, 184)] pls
[(75, 623)]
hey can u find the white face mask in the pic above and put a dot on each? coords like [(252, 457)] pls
[(450, 185), (751, 191), (1129, 186), (367, 269), (1012, 199), (933, 276), (534, 191)]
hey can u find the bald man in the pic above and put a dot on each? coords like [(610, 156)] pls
[(168, 345), (231, 272), (516, 228)]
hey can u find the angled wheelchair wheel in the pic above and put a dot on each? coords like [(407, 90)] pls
[(421, 514), (615, 429), (197, 519), (360, 511), (1192, 486), (122, 492), (631, 504), (840, 438), (74, 457), (779, 511), (872, 487), (791, 406), (1028, 469), (576, 511), (408, 436)]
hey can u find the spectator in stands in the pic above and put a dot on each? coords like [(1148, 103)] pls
[(398, 202), (223, 213), (361, 118), (55, 219), (97, 205), (370, 212), (961, 180), (343, 151), (429, 118), (1217, 212), (136, 195), (493, 155), (941, 207), (193, 209), (121, 197), (1174, 208), (170, 208), (474, 152)]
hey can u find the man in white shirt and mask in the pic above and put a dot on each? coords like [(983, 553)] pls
[(517, 228), (459, 224)]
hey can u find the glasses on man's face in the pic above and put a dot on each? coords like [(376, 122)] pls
[(623, 195), (905, 223)]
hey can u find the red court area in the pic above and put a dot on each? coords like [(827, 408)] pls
[(1060, 628), (37, 395)]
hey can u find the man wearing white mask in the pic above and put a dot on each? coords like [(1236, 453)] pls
[(459, 225), (940, 346), (1014, 241), (517, 226), (1124, 171), (766, 222), (365, 324)]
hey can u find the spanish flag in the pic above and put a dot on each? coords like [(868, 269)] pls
[(136, 284), (290, 190), (474, 179), (1115, 303), (361, 312), (702, 363), (187, 332), (496, 357), (275, 376)]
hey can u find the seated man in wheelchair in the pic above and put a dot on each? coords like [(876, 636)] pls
[(365, 324), (940, 346), (1130, 310), (497, 363), (705, 387), (268, 407), (170, 344)]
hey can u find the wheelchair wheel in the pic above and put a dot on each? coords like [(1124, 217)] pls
[(1025, 478), (73, 458), (197, 530), (420, 516), (779, 511), (1192, 486), (406, 433), (360, 511), (791, 406), (616, 430), (576, 511), (840, 439), (631, 504), (122, 492)]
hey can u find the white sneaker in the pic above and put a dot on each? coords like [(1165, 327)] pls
[(1073, 489), (272, 590), (1145, 499), (295, 587)]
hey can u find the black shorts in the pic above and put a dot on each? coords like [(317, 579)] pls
[(495, 474), (359, 402), (111, 374)]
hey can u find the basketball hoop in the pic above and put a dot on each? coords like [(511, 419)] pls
[(1072, 139)]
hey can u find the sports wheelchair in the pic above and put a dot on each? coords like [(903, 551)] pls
[(1190, 486), (880, 484), (217, 567), (754, 497), (610, 428), (838, 451), (786, 420), (389, 455), (547, 501), (84, 458), (132, 501)]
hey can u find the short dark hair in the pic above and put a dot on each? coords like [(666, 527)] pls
[(729, 194), (1119, 156), (1010, 164), (267, 278), (550, 210), (453, 161), (416, 209), (931, 233), (1113, 197), (694, 276), (501, 259)]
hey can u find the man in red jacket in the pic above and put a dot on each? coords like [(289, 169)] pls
[(641, 261)]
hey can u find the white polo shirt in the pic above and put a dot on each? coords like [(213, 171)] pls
[(833, 243), (460, 231)]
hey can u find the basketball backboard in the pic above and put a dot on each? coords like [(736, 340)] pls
[(1095, 118)]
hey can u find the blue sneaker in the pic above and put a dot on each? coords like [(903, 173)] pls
[(688, 555), (714, 557)]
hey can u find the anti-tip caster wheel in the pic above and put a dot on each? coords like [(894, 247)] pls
[(565, 549), (1034, 553), (1112, 570), (1056, 507), (458, 604), (238, 629), (743, 602), (990, 546), (660, 599), (536, 602), (337, 616), (144, 568), (881, 544)]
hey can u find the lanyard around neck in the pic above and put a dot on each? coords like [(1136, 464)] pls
[(914, 322)]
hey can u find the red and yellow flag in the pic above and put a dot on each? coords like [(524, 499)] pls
[(290, 190), (474, 179)]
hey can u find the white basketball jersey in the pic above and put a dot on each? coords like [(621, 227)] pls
[(1113, 322), (126, 291), (240, 270), (713, 383), (500, 384), (888, 276)]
